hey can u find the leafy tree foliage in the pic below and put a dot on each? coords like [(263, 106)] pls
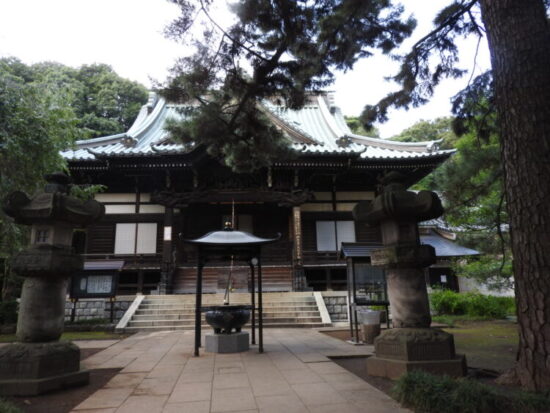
[(34, 126), (44, 108), (473, 184), (106, 104), (472, 181), (430, 130), (356, 127), (472, 187), (103, 102)]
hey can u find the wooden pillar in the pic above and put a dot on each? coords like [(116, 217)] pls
[(260, 306), (167, 264), (253, 299), (299, 281), (198, 304), (140, 281), (297, 227)]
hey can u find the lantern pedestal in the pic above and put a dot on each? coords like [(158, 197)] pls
[(28, 369), (401, 350)]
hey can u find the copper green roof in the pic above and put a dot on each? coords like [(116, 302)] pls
[(319, 128)]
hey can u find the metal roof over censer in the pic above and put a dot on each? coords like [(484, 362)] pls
[(229, 237)]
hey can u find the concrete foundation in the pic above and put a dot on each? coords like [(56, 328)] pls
[(28, 369), (227, 343)]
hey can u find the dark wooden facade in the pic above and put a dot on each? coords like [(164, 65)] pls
[(159, 192), (197, 204)]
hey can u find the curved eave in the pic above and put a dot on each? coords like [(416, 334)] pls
[(445, 248), (101, 141), (394, 145), (387, 154)]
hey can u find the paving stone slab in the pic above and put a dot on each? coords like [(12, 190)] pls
[(293, 375)]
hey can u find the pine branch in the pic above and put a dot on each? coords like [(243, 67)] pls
[(235, 41), (447, 24)]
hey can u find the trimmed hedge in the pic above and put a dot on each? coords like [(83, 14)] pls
[(428, 393), (447, 302)]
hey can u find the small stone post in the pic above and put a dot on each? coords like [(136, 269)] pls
[(39, 362), (411, 344)]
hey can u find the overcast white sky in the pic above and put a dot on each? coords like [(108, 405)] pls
[(127, 34)]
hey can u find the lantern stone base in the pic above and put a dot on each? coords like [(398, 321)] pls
[(227, 343), (400, 350), (393, 369), (28, 369)]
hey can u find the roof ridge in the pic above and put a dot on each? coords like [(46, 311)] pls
[(147, 121), (329, 119)]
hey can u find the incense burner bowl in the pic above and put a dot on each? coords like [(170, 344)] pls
[(225, 318)]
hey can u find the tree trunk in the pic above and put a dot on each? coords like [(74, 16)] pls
[(519, 41)]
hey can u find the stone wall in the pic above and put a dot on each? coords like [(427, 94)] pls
[(97, 308), (337, 305)]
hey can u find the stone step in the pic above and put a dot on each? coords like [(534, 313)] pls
[(191, 315), (266, 321), (192, 304), (188, 311), (192, 319), (178, 311), (220, 297), (185, 305), (236, 295), (206, 327)]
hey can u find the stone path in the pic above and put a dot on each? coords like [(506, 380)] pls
[(294, 375)]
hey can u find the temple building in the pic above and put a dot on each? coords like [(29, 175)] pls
[(160, 191)]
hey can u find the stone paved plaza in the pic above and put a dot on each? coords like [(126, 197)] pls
[(294, 375)]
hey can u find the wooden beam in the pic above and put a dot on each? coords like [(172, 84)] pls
[(182, 199)]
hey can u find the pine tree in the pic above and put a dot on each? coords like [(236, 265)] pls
[(293, 46)]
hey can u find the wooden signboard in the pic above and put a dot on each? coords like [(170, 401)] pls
[(94, 284)]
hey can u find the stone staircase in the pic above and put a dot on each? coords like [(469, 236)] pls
[(177, 312)]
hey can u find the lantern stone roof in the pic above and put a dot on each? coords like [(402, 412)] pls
[(318, 129)]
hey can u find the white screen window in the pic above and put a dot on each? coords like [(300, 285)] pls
[(331, 234), (140, 238)]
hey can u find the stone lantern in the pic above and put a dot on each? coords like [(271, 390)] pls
[(411, 344), (39, 362)]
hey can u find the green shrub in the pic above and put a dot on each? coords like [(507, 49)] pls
[(447, 302), (473, 304), (451, 320), (7, 407), (441, 394), (8, 312)]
